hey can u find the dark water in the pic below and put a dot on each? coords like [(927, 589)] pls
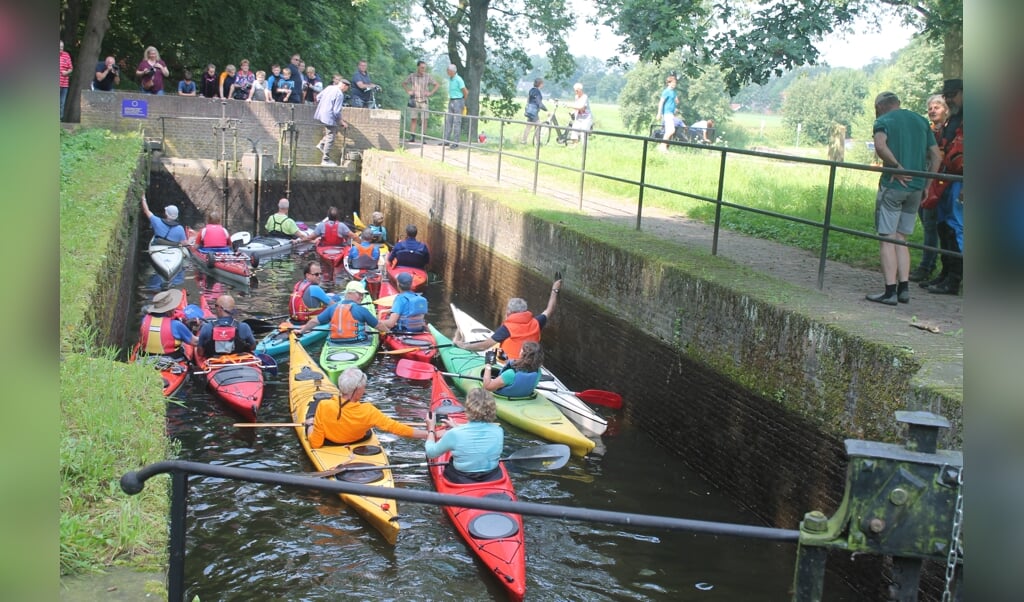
[(254, 542)]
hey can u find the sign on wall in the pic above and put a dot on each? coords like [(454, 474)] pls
[(135, 108)]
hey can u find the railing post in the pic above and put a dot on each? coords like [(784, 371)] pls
[(718, 203), (826, 226), (469, 139), (501, 145), (179, 507), (536, 162), (583, 165), (643, 184)]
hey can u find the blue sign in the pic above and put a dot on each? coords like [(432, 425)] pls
[(138, 109)]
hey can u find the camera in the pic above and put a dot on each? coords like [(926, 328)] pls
[(490, 357), (113, 68)]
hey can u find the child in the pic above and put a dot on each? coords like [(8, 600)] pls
[(285, 87), (187, 87), (259, 91), (209, 85), (275, 73), (227, 79)]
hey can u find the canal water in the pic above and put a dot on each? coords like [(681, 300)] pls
[(256, 542)]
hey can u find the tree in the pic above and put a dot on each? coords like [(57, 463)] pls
[(88, 55), (774, 37), (818, 103), (484, 42), (700, 97)]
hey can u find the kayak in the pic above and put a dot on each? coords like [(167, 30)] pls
[(423, 341), (167, 257), (263, 247), (173, 370), (583, 416), (307, 384), (237, 380), (335, 358), (332, 254), (370, 275), (276, 343), (419, 275), (534, 414), (496, 538), (228, 266)]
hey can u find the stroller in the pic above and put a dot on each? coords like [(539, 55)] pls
[(680, 135)]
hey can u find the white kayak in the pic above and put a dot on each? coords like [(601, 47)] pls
[(262, 247), (589, 422), (167, 257)]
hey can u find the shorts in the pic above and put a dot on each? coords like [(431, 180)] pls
[(896, 210), (420, 112), (668, 122)]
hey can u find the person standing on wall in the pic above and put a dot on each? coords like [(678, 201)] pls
[(328, 112), (64, 77), (903, 140), (362, 95), (667, 111), (107, 75), (152, 71), (420, 86), (457, 92)]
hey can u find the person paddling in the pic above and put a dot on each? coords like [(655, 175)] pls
[(519, 327)]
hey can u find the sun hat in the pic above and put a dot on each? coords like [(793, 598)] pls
[(165, 301), (951, 86), (171, 211), (355, 286)]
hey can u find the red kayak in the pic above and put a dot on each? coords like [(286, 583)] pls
[(237, 379), (495, 537), (230, 266), (419, 275), (332, 254), (420, 346), (173, 370)]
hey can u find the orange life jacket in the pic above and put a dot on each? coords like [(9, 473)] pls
[(344, 326), (156, 335), (364, 256), (523, 327)]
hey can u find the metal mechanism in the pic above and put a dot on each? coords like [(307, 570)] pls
[(900, 501)]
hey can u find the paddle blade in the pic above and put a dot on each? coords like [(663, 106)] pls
[(541, 457), (414, 370), (598, 397), (386, 301), (268, 362)]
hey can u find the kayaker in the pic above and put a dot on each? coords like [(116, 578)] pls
[(409, 309), (332, 231), (518, 377), (308, 297), (475, 445), (225, 335), (282, 226), (162, 331), (409, 252), (348, 318), (166, 227), (519, 326), (345, 420), (213, 236), (377, 228), (364, 255)]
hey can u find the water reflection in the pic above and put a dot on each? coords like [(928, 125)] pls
[(249, 541)]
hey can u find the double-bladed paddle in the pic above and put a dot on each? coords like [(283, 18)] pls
[(411, 349), (422, 371), (541, 457)]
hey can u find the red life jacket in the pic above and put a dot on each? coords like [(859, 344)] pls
[(300, 312), (344, 326), (156, 335), (523, 327), (224, 338), (214, 235), (331, 237)]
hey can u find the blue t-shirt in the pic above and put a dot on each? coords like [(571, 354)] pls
[(475, 446), (162, 229), (180, 331), (353, 254), (243, 334), (668, 95), (186, 87), (408, 304), (315, 297)]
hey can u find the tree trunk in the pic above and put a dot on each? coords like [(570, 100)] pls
[(953, 52), (88, 56), (476, 58), (69, 24)]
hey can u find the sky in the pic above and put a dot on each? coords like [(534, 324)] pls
[(853, 50)]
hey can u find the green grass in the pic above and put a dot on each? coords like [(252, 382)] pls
[(112, 414)]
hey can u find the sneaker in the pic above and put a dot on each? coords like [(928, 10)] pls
[(453, 145), (320, 146), (920, 274), (903, 296), (412, 138), (883, 298), (328, 163)]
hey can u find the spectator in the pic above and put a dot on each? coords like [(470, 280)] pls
[(409, 252), (275, 74), (284, 87), (328, 112), (242, 86), (583, 119), (534, 105), (938, 112), (667, 111), (187, 87), (363, 90), (108, 75), (950, 207), (227, 81), (420, 86), (64, 70), (457, 92), (314, 85), (152, 71), (703, 131), (209, 86), (259, 90), (295, 77), (903, 140)]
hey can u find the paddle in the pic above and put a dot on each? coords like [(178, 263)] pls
[(411, 349), (259, 425), (263, 324), (422, 371), (541, 457)]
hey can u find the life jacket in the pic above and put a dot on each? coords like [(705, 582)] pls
[(214, 236), (413, 318), (952, 146), (301, 312), (523, 327), (276, 221), (171, 225), (364, 256), (331, 237), (156, 335), (345, 328), (522, 385), (225, 340), (410, 253), (379, 232)]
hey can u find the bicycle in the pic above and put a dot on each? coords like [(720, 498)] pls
[(551, 123)]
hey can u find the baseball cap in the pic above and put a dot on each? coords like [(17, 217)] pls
[(171, 211), (355, 286), (404, 279)]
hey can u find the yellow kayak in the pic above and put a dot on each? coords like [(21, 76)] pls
[(307, 382)]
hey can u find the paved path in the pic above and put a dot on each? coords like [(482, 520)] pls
[(841, 301)]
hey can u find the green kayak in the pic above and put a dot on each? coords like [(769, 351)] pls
[(533, 414), (335, 358)]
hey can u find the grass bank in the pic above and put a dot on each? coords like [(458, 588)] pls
[(112, 414)]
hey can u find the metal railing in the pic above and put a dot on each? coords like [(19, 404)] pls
[(643, 185)]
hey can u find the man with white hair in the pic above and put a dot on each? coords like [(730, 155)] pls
[(456, 102), (328, 112), (166, 227), (280, 225), (519, 326)]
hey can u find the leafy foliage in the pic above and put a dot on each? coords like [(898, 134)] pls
[(819, 102), (700, 97)]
